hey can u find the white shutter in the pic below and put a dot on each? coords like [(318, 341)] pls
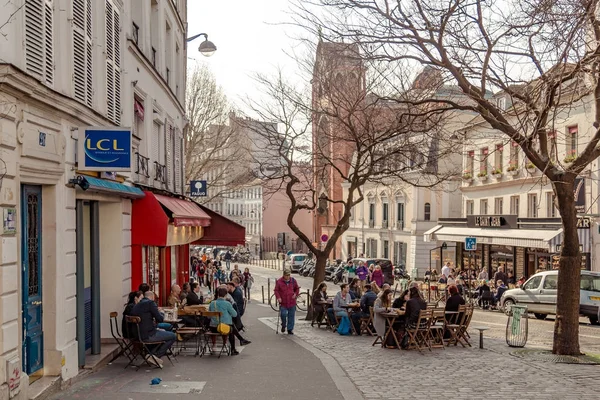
[(155, 143), (113, 63), (39, 47), (169, 150), (177, 162), (82, 51)]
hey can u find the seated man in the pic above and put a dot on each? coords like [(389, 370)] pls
[(366, 301), (500, 289), (341, 299), (148, 312), (194, 297), (174, 300)]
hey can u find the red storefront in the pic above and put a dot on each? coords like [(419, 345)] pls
[(162, 228), (221, 232)]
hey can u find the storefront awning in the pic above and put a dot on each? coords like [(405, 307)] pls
[(222, 231), (154, 218), (535, 238), (90, 184), (184, 212)]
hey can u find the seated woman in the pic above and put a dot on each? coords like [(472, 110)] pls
[(227, 314), (319, 304), (382, 304), (126, 330), (452, 304), (400, 302), (355, 289), (413, 307)]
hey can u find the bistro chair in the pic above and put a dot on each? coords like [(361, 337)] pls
[(208, 335), (366, 323), (436, 328), (124, 344), (189, 334), (419, 334), (143, 347)]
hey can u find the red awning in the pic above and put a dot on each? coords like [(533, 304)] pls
[(184, 212), (222, 231)]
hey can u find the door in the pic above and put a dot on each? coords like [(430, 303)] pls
[(529, 294), (31, 262), (548, 294)]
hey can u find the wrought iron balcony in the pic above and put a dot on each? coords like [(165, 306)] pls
[(160, 172), (142, 165), (400, 224), (384, 224)]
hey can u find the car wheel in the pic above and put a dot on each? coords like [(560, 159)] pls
[(594, 321), (540, 316), (508, 303)]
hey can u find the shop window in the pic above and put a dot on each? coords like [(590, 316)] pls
[(532, 205), (551, 211), (483, 206), (514, 205), (427, 212), (470, 207), (498, 205)]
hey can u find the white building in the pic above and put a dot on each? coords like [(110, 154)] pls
[(66, 252)]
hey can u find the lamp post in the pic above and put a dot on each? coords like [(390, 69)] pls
[(206, 48)]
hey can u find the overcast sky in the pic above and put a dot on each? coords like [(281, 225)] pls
[(248, 40)]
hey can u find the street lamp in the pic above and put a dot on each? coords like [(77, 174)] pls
[(206, 48)]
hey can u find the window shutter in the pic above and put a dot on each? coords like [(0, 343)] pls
[(39, 50), (155, 142), (113, 64), (177, 162), (82, 51), (169, 150)]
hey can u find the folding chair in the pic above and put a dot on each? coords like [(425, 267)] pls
[(124, 344), (436, 328), (366, 323), (208, 335), (418, 335), (454, 326), (462, 335), (188, 334), (143, 347), (379, 338)]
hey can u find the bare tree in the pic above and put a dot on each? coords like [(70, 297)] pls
[(543, 55), (352, 130), (212, 141)]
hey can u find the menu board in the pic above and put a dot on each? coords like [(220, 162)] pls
[(520, 262), (585, 261)]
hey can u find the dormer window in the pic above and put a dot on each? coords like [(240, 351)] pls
[(501, 103)]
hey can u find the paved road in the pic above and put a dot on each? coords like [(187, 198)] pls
[(272, 367)]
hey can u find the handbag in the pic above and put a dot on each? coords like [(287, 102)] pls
[(222, 328)]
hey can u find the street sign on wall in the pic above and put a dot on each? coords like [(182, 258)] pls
[(324, 238), (198, 188), (104, 149), (470, 244)]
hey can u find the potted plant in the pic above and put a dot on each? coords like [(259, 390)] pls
[(497, 172), (530, 167), (571, 156), (483, 175), (467, 176), (513, 168)]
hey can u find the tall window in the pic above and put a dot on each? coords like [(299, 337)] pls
[(39, 40), (371, 212), (572, 141), (82, 51), (113, 63), (483, 206), (498, 158), (399, 253), (385, 212), (483, 162), (514, 205), (386, 249), (532, 205), (469, 207), (513, 162), (427, 212), (498, 206), (470, 164), (551, 211), (400, 215)]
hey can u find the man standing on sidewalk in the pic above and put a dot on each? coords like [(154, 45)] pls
[(286, 292), (228, 257)]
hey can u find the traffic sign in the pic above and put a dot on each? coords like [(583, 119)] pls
[(198, 188), (324, 238), (470, 244)]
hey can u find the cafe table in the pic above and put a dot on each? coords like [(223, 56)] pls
[(390, 318), (350, 308)]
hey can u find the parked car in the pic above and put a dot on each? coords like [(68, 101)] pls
[(384, 263), (538, 293), (293, 262)]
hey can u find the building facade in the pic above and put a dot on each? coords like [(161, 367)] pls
[(66, 245)]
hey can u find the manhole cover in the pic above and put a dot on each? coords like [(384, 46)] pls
[(547, 356), (171, 387)]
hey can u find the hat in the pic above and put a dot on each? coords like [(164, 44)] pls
[(287, 272)]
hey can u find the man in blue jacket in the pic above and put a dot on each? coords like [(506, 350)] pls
[(148, 312), (366, 301)]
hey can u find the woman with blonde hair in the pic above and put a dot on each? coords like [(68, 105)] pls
[(375, 288)]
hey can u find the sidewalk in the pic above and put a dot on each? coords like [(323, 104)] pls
[(455, 372), (272, 367)]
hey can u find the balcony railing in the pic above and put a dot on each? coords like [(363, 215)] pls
[(371, 223), (400, 224), (384, 224), (142, 165), (160, 172)]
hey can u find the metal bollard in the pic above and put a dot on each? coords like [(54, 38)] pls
[(268, 286), (263, 293)]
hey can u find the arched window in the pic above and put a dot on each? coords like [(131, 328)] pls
[(427, 212)]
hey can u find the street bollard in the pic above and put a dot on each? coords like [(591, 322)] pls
[(268, 286), (263, 293)]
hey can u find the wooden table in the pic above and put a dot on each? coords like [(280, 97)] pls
[(350, 308), (390, 319)]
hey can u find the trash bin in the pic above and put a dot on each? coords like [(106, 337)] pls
[(517, 326)]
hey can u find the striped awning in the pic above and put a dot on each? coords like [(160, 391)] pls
[(585, 242), (535, 238)]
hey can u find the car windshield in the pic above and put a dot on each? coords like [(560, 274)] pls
[(590, 283)]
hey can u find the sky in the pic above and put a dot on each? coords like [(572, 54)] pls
[(249, 39)]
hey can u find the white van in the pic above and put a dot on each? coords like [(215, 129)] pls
[(293, 262), (539, 295)]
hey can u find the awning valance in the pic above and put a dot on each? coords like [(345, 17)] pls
[(222, 231), (91, 184), (535, 238), (184, 212)]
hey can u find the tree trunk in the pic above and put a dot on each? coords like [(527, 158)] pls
[(320, 260), (566, 326)]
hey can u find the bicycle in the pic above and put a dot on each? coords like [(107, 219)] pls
[(301, 302)]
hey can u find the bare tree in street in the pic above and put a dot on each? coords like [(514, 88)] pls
[(544, 56)]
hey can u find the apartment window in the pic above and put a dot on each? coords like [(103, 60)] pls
[(470, 163), (498, 158), (400, 215), (371, 213), (483, 206), (39, 40), (483, 164), (82, 51), (469, 207), (399, 253), (385, 212), (513, 162), (498, 206), (532, 205), (113, 63), (551, 211), (427, 212), (572, 142), (386, 249), (372, 248), (514, 205), (502, 103)]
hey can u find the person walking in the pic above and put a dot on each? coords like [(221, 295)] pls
[(248, 282), (228, 257), (286, 292)]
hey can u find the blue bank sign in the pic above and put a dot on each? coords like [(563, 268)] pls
[(104, 149)]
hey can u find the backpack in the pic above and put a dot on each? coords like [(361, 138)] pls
[(344, 326)]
